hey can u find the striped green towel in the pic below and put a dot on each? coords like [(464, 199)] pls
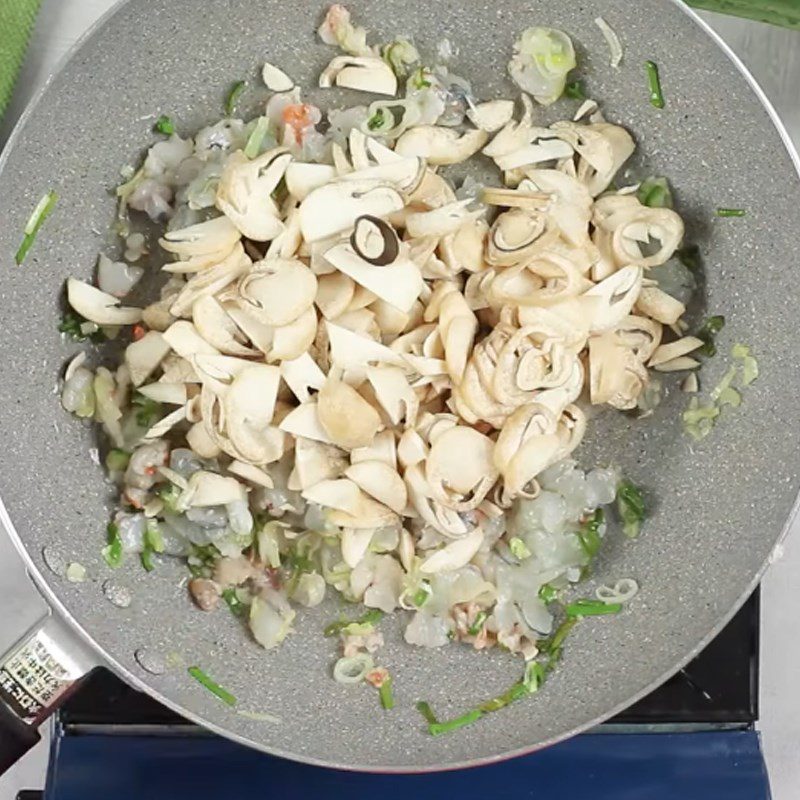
[(16, 22)]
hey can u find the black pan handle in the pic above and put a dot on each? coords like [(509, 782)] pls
[(16, 738)]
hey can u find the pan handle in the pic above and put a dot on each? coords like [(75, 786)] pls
[(44, 662)]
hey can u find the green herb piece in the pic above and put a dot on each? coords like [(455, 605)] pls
[(535, 676), (741, 352), (690, 257), (153, 536), (478, 623), (75, 326), (575, 91), (420, 597), (399, 55), (519, 549), (233, 97), (371, 617), (169, 494), (112, 552), (729, 397), (708, 332), (655, 193), (212, 686), (146, 557), (698, 419), (724, 384), (438, 728), (515, 692), (236, 606), (377, 120), (256, 138), (418, 79), (148, 411), (164, 125), (387, 694), (731, 212), (588, 533), (553, 646), (631, 508), (425, 709), (42, 211), (547, 594), (117, 460), (591, 608), (654, 82)]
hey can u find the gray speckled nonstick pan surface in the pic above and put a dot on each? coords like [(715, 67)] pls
[(719, 506)]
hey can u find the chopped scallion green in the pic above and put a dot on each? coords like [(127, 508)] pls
[(519, 549), (630, 507), (654, 82), (438, 728), (148, 410), (477, 625), (588, 533), (233, 602), (591, 608), (153, 536), (112, 552), (212, 686), (117, 460), (535, 675), (420, 597), (708, 331), (256, 138), (146, 557), (575, 91), (731, 212), (42, 211), (164, 125), (655, 193), (371, 617), (73, 325), (425, 709), (547, 594), (233, 97), (387, 694), (169, 494), (377, 120)]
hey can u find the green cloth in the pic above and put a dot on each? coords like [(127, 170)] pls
[(16, 22)]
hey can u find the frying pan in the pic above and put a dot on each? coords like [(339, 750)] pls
[(718, 507)]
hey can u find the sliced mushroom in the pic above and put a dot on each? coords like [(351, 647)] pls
[(183, 338), (375, 241), (249, 407), (381, 448), (315, 462), (199, 439), (571, 203), (276, 80), (679, 364), (617, 377), (143, 357), (380, 481), (517, 235), (640, 334), (618, 294), (302, 374), (251, 473), (458, 327), (355, 544), (454, 555), (334, 293), (303, 421), (216, 326), (172, 394), (351, 351), (395, 395), (440, 146), (292, 340), (463, 250), (405, 174), (341, 495), (99, 307), (166, 424), (515, 198), (659, 305), (334, 208), (346, 417), (445, 520), (513, 134), (281, 290), (433, 191), (492, 115), (441, 221), (544, 149), (363, 73), (302, 179), (677, 349), (204, 239), (207, 489)]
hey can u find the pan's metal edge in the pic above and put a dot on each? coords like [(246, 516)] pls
[(130, 677)]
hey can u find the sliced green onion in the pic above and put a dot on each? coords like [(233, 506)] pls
[(387, 694), (477, 625), (708, 331), (553, 646), (169, 494), (233, 97), (519, 549), (534, 678), (591, 608), (353, 669), (655, 193), (588, 533), (148, 410), (117, 460), (421, 596), (547, 594), (377, 120), (371, 617), (74, 326), (631, 508), (233, 602), (42, 211), (742, 353), (515, 692), (731, 212), (256, 138), (212, 686), (698, 420), (777, 12), (146, 557), (654, 82), (425, 709), (575, 91), (112, 552), (153, 536), (438, 728), (399, 55), (418, 79), (164, 125)]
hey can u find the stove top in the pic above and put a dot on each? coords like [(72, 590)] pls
[(718, 688)]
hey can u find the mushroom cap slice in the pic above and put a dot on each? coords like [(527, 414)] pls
[(315, 462), (292, 340), (334, 294), (276, 80), (173, 394), (381, 448), (454, 555), (441, 221), (210, 489), (616, 376), (362, 73), (251, 473), (398, 283), (346, 417), (281, 290), (199, 439), (214, 236), (440, 146), (380, 481), (355, 544), (302, 374), (217, 327), (351, 351), (165, 424), (303, 421), (445, 520), (411, 449), (640, 334), (526, 422), (249, 407), (516, 235), (341, 495), (491, 115), (393, 392), (659, 305), (333, 209), (143, 357), (618, 294), (183, 338), (571, 203), (302, 179), (99, 307), (676, 349)]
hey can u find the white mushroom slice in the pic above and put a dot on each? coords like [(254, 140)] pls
[(460, 469), (357, 144), (558, 398), (249, 406), (281, 290), (528, 421), (492, 115), (172, 394), (142, 357), (371, 514), (517, 235), (475, 403), (302, 179), (411, 449), (334, 293), (441, 221), (381, 482), (513, 134), (536, 454), (390, 319), (398, 283), (659, 305), (334, 208), (346, 417), (458, 327), (341, 495), (199, 439), (617, 377), (380, 152), (433, 191), (677, 364), (453, 555), (210, 489), (302, 374), (287, 243), (351, 351), (405, 174), (681, 347), (394, 394), (515, 198), (546, 149), (360, 321), (445, 520), (303, 421), (99, 307), (463, 250), (355, 543), (363, 73), (571, 203), (244, 193), (315, 462), (197, 263), (217, 327), (251, 473), (440, 146), (247, 318), (176, 369), (362, 297), (276, 80), (166, 424), (292, 340), (618, 293), (214, 236), (218, 372), (183, 338), (382, 448)]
